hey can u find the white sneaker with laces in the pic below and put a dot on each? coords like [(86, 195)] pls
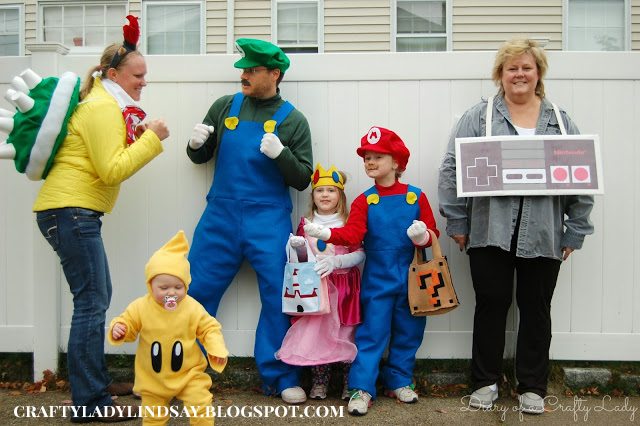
[(404, 394), (293, 395), (318, 391), (359, 403)]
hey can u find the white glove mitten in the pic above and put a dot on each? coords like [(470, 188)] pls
[(271, 145), (317, 231), (200, 134), (326, 264), (418, 233), (296, 241), (349, 260)]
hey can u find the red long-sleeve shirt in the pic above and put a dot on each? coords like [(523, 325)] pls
[(354, 230)]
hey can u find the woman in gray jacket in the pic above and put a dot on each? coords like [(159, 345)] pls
[(530, 235)]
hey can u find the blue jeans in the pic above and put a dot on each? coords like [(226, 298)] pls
[(74, 234)]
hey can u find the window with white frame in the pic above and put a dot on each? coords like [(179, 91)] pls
[(596, 25), (421, 25), (173, 28), (9, 30), (297, 26), (83, 25)]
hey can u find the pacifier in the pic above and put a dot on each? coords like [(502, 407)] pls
[(170, 303)]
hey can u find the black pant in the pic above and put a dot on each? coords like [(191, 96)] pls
[(492, 272)]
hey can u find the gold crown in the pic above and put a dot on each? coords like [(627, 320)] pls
[(322, 177)]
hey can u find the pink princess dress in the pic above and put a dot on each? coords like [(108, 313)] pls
[(328, 338)]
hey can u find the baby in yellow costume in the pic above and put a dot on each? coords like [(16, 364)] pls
[(169, 362)]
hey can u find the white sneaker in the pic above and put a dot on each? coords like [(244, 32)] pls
[(318, 391), (484, 397), (531, 403), (404, 394), (294, 395), (359, 403)]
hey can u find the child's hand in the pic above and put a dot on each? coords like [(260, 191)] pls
[(418, 233), (296, 241), (317, 231), (218, 360), (326, 264), (119, 331)]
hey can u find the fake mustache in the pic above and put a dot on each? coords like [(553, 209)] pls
[(245, 82)]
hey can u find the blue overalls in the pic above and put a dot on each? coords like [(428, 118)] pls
[(248, 215), (386, 318)]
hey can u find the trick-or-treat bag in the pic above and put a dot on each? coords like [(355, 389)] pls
[(431, 289), (303, 291)]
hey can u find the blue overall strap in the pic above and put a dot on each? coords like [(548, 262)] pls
[(415, 190), (370, 191), (234, 111), (281, 114)]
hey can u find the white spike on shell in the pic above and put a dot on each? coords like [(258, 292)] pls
[(30, 78), (6, 113), (6, 124), (7, 151), (19, 84), (23, 102)]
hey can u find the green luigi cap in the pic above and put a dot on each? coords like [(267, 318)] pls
[(256, 53)]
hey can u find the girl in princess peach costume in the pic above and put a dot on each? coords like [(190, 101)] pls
[(320, 340)]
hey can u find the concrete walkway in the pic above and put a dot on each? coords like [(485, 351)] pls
[(250, 408)]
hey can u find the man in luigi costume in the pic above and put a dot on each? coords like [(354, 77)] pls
[(262, 146)]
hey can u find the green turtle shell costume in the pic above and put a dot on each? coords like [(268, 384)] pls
[(39, 125)]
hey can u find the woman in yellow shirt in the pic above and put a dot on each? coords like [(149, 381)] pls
[(83, 184)]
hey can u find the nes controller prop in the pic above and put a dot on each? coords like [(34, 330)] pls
[(528, 165)]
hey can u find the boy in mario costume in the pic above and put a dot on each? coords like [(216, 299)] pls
[(169, 362), (392, 219), (262, 146)]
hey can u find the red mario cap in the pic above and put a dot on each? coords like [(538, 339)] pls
[(385, 141)]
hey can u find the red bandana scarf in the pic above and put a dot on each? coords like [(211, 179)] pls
[(133, 116)]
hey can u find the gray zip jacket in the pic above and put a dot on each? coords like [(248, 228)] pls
[(547, 224)]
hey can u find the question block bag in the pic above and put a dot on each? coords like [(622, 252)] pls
[(430, 288), (303, 291)]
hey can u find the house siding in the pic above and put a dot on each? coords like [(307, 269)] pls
[(216, 26), (485, 25), (252, 19), (635, 25), (357, 26)]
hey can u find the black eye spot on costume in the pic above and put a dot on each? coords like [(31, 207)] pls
[(156, 356), (176, 356)]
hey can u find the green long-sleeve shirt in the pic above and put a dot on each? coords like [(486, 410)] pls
[(295, 162)]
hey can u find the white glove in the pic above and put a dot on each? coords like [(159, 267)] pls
[(317, 231), (326, 264), (349, 260), (200, 134), (271, 145), (418, 233), (296, 241)]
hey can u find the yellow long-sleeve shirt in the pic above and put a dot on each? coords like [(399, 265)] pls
[(94, 158), (162, 369)]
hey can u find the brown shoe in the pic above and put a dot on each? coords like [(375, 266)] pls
[(111, 414), (120, 388)]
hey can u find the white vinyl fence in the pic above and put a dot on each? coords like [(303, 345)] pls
[(596, 308)]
